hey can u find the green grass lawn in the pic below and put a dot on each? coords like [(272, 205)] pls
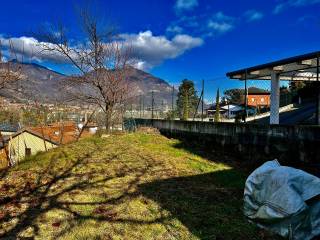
[(130, 186)]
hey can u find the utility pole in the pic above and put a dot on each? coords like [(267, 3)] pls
[(152, 104), (202, 100), (172, 99)]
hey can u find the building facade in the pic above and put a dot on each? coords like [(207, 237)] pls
[(27, 143)]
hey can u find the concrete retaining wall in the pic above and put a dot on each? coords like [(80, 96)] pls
[(287, 143)]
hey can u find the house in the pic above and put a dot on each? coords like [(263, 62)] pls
[(89, 127), (212, 110), (59, 132), (258, 97), (226, 110), (32, 140), (232, 110), (7, 129), (26, 143)]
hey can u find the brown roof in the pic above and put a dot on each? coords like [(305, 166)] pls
[(35, 134), (60, 132)]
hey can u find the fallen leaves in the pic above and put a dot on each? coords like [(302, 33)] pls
[(105, 212), (56, 224)]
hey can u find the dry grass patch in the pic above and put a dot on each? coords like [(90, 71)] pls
[(132, 186)]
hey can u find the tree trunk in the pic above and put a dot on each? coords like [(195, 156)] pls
[(108, 120), (185, 114)]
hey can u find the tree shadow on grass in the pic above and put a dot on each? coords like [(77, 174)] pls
[(209, 205), (23, 206)]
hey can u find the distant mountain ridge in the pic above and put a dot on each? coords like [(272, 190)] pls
[(45, 84), (15, 61), (36, 65)]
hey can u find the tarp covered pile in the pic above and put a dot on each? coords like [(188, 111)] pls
[(284, 200)]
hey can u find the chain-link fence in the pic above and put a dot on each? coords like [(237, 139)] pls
[(252, 102), (239, 101), (152, 105)]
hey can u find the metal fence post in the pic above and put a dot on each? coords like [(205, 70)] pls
[(246, 97), (152, 104), (202, 100), (143, 106), (318, 95)]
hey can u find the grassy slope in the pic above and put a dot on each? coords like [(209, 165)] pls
[(133, 186)]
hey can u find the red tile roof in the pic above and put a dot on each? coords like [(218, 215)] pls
[(60, 132)]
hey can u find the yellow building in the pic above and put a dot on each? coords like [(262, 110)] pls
[(4, 163), (26, 143)]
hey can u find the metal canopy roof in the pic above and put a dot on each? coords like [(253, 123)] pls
[(298, 68)]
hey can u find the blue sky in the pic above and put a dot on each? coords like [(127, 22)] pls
[(176, 39)]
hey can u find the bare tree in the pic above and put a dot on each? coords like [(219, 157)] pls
[(10, 75), (101, 59), (86, 122)]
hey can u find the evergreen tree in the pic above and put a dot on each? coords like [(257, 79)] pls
[(217, 113), (187, 99)]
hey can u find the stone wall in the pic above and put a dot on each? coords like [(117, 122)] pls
[(290, 144)]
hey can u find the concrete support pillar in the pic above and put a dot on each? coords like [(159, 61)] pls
[(318, 95), (275, 98), (318, 105)]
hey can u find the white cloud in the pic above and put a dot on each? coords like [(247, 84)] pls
[(220, 23), (142, 65), (203, 25), (253, 15), (220, 16), (150, 50), (182, 5), (30, 48), (279, 8), (293, 3), (219, 27), (303, 2), (174, 29)]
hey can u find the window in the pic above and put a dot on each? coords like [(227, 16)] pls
[(28, 152)]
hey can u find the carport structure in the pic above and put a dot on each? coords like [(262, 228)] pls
[(299, 68)]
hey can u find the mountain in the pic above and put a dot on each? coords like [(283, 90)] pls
[(143, 84), (44, 85), (39, 83)]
